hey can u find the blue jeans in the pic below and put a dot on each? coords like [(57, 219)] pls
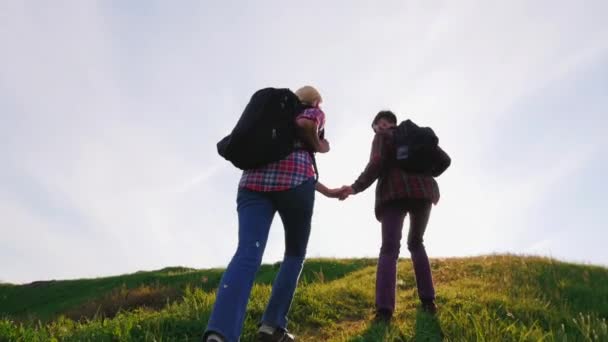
[(256, 211)]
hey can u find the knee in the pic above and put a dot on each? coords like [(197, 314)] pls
[(414, 244), (295, 252), (298, 261), (296, 247), (250, 256), (390, 249)]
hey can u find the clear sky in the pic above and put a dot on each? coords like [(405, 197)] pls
[(110, 111)]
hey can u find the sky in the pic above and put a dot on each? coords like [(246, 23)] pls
[(110, 112)]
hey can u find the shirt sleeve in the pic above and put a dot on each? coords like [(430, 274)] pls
[(314, 114), (374, 166)]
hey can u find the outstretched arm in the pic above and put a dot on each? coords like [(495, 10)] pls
[(331, 193), (372, 170)]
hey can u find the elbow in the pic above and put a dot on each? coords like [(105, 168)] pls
[(305, 124)]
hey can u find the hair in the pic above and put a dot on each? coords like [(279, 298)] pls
[(309, 95), (387, 115)]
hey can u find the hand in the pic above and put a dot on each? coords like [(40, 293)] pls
[(346, 191), (333, 193), (323, 146)]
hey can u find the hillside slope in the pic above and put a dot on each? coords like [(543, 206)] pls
[(492, 298)]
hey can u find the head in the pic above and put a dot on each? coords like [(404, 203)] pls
[(309, 95), (384, 120)]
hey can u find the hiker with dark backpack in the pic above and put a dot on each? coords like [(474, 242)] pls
[(274, 143), (404, 159)]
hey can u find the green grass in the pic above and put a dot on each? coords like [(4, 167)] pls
[(493, 298), (45, 301)]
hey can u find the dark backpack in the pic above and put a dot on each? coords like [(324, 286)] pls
[(266, 131), (417, 150)]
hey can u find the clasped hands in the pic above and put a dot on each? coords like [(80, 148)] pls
[(340, 193)]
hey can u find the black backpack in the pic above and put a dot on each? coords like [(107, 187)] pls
[(417, 150), (266, 131)]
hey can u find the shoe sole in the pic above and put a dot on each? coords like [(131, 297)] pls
[(267, 338)]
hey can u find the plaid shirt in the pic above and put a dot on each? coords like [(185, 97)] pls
[(393, 182), (290, 172)]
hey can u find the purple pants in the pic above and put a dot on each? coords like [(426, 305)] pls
[(393, 215)]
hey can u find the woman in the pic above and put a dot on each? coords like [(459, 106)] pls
[(398, 193), (287, 187)]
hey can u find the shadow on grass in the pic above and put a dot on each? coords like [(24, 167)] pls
[(427, 327), (377, 331)]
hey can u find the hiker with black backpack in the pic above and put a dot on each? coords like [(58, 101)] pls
[(404, 159), (274, 143)]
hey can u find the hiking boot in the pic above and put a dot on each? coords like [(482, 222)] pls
[(429, 307), (279, 335), (383, 316)]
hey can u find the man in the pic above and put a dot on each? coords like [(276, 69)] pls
[(398, 193)]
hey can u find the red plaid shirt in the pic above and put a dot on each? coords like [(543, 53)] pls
[(290, 172), (393, 182)]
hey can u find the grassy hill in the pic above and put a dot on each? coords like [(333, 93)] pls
[(492, 298)]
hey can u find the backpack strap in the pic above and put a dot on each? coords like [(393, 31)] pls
[(314, 163)]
